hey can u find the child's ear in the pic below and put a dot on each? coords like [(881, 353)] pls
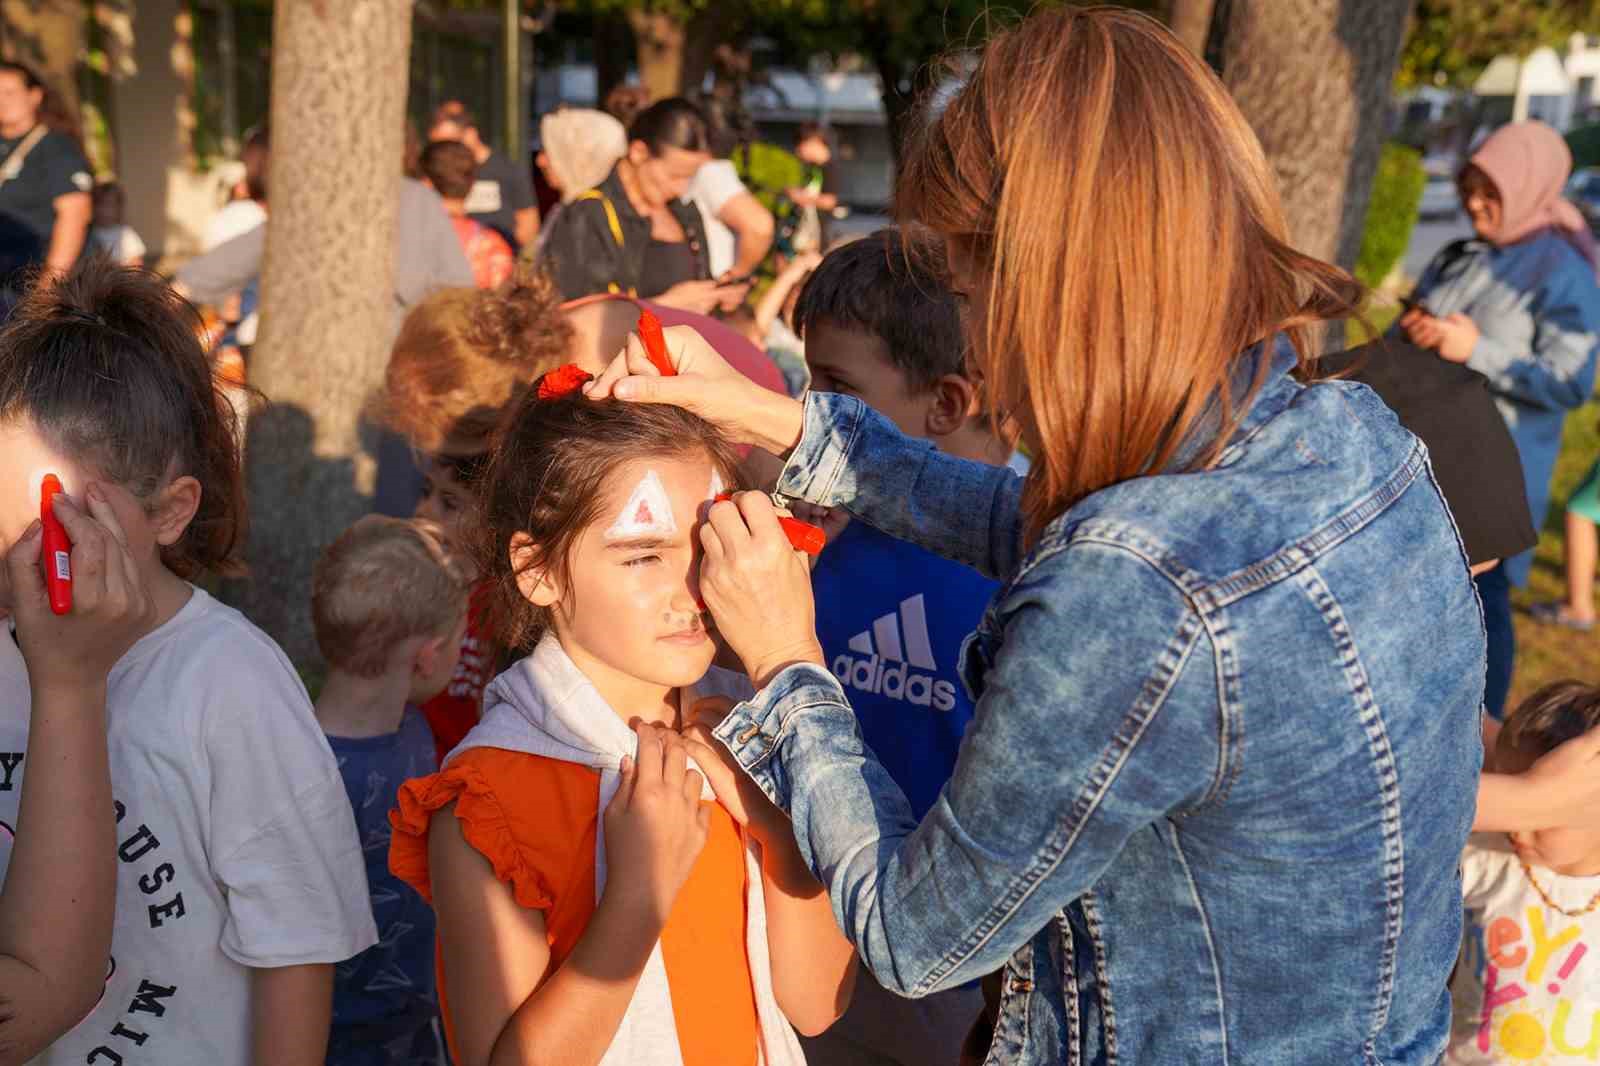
[(537, 584), (955, 402), (175, 508), (430, 653)]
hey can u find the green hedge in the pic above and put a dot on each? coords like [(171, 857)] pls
[(1391, 213)]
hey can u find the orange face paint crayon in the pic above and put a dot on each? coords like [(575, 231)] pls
[(655, 344), (803, 536), (57, 557)]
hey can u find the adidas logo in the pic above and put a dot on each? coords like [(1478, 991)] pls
[(896, 642)]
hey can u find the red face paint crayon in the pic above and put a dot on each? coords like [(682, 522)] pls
[(57, 558), (655, 344), (803, 536)]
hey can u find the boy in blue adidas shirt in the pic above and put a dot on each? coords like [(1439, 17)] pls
[(879, 322)]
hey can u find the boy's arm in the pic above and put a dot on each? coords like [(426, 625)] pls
[(813, 964), (496, 952), (291, 1008)]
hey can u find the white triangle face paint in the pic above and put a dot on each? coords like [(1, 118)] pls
[(648, 512), (717, 488)]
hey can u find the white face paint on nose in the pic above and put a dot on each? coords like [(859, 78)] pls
[(648, 512)]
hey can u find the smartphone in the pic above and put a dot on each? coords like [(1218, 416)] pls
[(742, 279)]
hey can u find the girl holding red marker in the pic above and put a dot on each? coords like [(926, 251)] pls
[(229, 813)]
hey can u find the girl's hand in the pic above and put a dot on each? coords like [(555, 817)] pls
[(655, 825), (735, 789), (1458, 336), (706, 385), (757, 587), (702, 296), (110, 606)]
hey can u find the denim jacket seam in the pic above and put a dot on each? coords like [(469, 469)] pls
[(1211, 941), (1091, 923), (1230, 724), (1381, 753), (1289, 560), (1151, 700)]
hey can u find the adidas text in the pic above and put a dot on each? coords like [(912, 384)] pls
[(893, 681)]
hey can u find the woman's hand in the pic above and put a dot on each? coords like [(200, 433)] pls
[(703, 297), (655, 824), (1568, 779), (110, 606), (757, 587), (706, 385), (1453, 336), (735, 789)]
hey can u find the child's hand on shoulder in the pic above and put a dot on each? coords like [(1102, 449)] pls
[(655, 824), (735, 789), (111, 607)]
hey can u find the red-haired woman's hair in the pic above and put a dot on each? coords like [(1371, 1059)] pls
[(106, 364), (1121, 234)]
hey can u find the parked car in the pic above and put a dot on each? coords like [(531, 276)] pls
[(1584, 190), (1439, 198)]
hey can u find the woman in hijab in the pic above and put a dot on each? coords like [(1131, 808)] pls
[(578, 148), (1518, 303)]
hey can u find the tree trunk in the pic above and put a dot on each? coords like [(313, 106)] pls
[(339, 73), (47, 35), (1313, 77), (1190, 21), (660, 40)]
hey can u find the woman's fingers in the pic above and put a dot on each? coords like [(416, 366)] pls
[(628, 773), (674, 758), (22, 564), (631, 360)]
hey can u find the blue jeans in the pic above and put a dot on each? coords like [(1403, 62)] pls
[(1494, 589)]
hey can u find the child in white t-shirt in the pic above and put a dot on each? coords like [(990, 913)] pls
[(1527, 987), (239, 874)]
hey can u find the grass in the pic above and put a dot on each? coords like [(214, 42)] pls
[(1545, 652)]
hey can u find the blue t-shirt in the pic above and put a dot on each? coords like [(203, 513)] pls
[(892, 618), (392, 982)]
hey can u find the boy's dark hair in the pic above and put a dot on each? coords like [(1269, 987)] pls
[(1558, 712), (106, 362), (451, 167), (625, 103), (894, 287), (109, 201), (546, 478), (671, 123)]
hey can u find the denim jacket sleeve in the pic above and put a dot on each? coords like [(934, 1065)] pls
[(852, 457), (1558, 374), (1098, 719)]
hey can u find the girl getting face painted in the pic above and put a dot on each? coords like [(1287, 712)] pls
[(592, 516)]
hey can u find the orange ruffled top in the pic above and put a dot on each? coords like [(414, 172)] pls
[(534, 819)]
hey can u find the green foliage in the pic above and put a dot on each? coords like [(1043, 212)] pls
[(1391, 213), (1451, 41), (768, 170)]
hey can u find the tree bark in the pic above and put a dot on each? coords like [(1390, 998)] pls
[(339, 73), (1190, 22), (659, 39), (1313, 77), (47, 35)]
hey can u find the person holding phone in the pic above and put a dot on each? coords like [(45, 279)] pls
[(633, 234), (1517, 302)]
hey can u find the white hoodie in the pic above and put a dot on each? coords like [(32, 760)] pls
[(544, 705)]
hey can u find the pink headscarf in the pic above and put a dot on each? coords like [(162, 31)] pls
[(1529, 164)]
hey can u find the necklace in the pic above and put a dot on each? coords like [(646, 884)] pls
[(1552, 904)]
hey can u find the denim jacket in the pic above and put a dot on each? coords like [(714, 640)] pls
[(1537, 308), (1223, 761)]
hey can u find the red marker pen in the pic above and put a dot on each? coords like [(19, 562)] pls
[(803, 536), (655, 344), (57, 557)]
